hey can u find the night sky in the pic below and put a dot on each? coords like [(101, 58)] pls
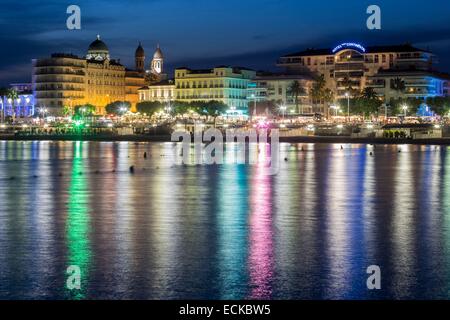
[(205, 33)]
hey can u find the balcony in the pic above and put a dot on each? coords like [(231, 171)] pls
[(349, 67), (58, 89), (66, 72), (60, 81)]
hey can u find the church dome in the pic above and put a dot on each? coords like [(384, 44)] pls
[(139, 51), (98, 50), (158, 53), (98, 45)]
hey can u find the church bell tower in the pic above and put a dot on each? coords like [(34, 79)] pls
[(139, 59)]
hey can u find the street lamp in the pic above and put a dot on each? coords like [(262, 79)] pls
[(168, 108), (347, 95), (232, 110), (405, 108), (254, 103), (18, 105), (335, 108), (10, 101), (27, 101), (43, 111), (283, 110)]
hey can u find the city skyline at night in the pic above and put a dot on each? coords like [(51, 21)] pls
[(224, 159)]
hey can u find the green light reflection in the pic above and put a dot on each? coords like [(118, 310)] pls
[(78, 224)]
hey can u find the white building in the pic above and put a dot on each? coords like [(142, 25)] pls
[(351, 66)]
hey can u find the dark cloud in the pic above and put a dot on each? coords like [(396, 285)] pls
[(202, 33)]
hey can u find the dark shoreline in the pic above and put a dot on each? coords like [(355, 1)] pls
[(166, 138)]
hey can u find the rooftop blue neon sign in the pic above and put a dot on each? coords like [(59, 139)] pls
[(347, 45)]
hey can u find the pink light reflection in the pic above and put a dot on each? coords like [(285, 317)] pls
[(260, 261)]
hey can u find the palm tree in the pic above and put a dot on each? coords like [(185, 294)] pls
[(327, 96), (13, 95), (398, 85), (369, 93), (318, 92), (295, 90)]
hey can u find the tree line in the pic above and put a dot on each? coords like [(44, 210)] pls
[(366, 102), (211, 108)]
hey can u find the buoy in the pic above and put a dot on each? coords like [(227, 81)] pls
[(285, 159), (399, 150), (132, 169), (342, 147), (371, 153)]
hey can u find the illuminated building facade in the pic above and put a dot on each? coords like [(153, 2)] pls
[(350, 67), (58, 81), (163, 91), (277, 88), (68, 80), (155, 73), (22, 106), (226, 84), (417, 84)]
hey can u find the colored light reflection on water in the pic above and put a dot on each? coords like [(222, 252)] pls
[(78, 223), (224, 231), (260, 262)]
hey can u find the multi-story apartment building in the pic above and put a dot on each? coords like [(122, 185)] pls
[(350, 67), (105, 83), (163, 91), (279, 89), (226, 84), (58, 81), (415, 84), (68, 80)]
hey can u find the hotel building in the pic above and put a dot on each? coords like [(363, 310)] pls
[(350, 67), (163, 91), (68, 80), (226, 84), (276, 88)]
